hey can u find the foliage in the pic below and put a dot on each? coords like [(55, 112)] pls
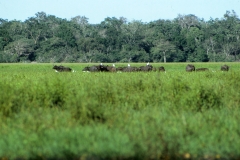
[(153, 115), (187, 38)]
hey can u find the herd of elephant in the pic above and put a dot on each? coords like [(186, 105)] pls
[(191, 68), (106, 68), (147, 68)]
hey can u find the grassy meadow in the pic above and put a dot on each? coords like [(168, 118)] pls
[(138, 115)]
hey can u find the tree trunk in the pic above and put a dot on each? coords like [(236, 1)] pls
[(164, 57)]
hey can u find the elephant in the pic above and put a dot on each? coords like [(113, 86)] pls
[(190, 68), (62, 69), (224, 68), (202, 69)]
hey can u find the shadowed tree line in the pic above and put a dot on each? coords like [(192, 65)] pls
[(187, 38)]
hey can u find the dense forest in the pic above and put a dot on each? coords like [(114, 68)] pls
[(187, 38)]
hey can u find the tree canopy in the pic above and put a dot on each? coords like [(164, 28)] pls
[(187, 38)]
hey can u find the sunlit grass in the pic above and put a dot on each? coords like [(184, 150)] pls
[(44, 114)]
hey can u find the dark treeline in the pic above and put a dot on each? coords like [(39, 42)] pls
[(187, 38)]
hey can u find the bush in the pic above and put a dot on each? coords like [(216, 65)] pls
[(153, 115)]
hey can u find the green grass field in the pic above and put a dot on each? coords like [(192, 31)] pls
[(143, 115)]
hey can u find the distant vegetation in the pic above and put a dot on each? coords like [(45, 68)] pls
[(130, 115), (187, 38)]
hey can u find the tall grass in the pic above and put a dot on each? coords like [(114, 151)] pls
[(152, 115)]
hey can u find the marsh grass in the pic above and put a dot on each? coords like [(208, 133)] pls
[(152, 115)]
